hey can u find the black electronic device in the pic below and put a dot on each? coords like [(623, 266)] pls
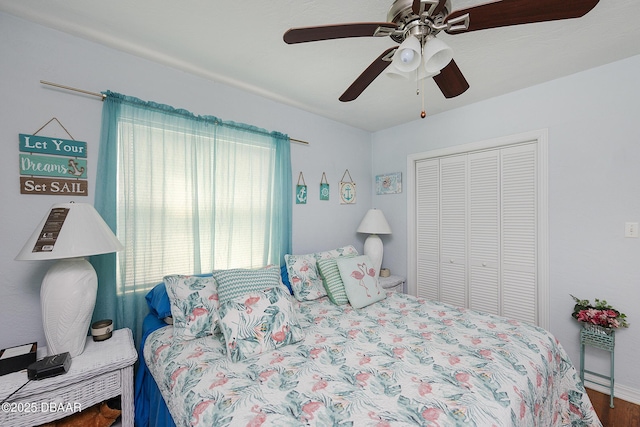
[(49, 366), (17, 358)]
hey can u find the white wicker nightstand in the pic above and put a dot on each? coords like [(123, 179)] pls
[(392, 283), (104, 370)]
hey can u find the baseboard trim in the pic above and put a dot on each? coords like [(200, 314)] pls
[(619, 391)]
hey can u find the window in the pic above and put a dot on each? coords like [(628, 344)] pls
[(195, 194)]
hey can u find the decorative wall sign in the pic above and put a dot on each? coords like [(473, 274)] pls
[(324, 187), (52, 166), (53, 187), (347, 190), (389, 183), (56, 146), (301, 191), (63, 167)]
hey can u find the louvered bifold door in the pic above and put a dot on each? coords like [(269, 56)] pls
[(519, 245), (453, 230), (484, 231), (427, 229)]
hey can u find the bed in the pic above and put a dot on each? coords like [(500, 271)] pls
[(397, 361)]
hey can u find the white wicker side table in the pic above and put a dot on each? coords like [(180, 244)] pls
[(104, 370), (392, 283)]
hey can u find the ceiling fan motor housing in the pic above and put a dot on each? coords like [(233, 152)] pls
[(411, 24)]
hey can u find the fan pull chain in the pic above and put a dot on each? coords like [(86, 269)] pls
[(423, 113), (420, 83)]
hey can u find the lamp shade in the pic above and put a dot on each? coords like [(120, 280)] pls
[(374, 222), (437, 55), (408, 56), (396, 74), (70, 230)]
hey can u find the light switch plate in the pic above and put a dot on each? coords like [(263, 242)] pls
[(631, 229)]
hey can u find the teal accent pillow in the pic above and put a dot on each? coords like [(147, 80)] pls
[(236, 282), (194, 304), (304, 278), (360, 281), (332, 281), (259, 322)]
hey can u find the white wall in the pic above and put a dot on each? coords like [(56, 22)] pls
[(31, 53), (594, 188)]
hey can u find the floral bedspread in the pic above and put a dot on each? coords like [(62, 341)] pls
[(402, 361)]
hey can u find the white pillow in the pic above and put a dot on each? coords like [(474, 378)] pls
[(304, 277), (194, 304), (259, 322), (360, 281)]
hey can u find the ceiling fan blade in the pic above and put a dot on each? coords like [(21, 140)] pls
[(368, 75), (416, 6), (439, 8), (338, 31), (451, 81), (515, 12)]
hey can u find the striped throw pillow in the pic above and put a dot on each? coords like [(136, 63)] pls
[(237, 282), (332, 281)]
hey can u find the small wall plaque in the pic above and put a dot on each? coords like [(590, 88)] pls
[(301, 191), (347, 190), (390, 183), (324, 188)]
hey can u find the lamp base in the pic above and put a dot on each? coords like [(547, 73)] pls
[(67, 299), (373, 249)]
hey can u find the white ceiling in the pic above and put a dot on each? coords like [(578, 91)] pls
[(239, 43)]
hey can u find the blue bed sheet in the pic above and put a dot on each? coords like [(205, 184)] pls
[(151, 410)]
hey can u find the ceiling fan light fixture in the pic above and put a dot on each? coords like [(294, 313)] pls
[(408, 56), (396, 74), (437, 55), (414, 24)]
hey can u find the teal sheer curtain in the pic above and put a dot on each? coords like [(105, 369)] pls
[(185, 194)]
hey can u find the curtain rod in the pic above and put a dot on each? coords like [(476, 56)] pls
[(102, 96), (99, 95), (299, 141)]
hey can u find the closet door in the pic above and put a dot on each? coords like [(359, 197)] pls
[(484, 231), (453, 230), (481, 227), (519, 231), (427, 228)]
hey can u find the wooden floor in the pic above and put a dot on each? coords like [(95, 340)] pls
[(623, 414)]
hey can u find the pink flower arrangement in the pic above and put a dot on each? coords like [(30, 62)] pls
[(600, 313)]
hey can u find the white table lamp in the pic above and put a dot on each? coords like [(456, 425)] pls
[(68, 233), (374, 223)]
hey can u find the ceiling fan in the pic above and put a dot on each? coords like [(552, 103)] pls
[(415, 24)]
